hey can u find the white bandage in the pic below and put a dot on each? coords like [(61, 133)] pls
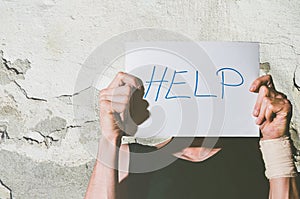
[(278, 158)]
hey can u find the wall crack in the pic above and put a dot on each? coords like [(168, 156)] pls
[(26, 95), (5, 191), (296, 78), (3, 133)]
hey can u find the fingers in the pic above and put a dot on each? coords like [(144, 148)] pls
[(122, 90), (280, 95), (277, 115), (122, 99), (111, 107), (264, 91), (265, 88), (271, 108), (265, 80), (268, 108), (113, 103), (122, 79), (261, 117), (115, 99)]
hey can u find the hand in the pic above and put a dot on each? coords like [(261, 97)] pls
[(114, 103), (272, 109)]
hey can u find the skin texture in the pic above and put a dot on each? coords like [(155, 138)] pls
[(272, 109)]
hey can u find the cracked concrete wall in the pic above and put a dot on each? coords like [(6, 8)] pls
[(43, 43)]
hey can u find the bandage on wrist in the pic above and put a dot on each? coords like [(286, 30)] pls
[(277, 155)]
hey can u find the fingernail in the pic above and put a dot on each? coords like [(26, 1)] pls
[(257, 121), (252, 88), (255, 112)]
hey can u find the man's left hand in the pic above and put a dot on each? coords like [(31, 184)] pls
[(272, 108)]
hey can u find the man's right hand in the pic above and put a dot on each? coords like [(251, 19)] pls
[(114, 102)]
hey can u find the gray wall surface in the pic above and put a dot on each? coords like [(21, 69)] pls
[(44, 150)]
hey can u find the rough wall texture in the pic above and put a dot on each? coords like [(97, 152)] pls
[(45, 42)]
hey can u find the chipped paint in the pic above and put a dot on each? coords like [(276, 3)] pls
[(44, 44)]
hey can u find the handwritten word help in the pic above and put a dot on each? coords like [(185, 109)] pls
[(222, 72)]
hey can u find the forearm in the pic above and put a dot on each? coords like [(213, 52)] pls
[(284, 188), (104, 180), (280, 168)]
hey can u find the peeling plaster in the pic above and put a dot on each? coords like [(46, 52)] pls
[(34, 136), (40, 140), (11, 116), (42, 129), (12, 71), (265, 67), (50, 125)]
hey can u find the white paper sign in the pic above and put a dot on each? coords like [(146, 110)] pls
[(196, 89)]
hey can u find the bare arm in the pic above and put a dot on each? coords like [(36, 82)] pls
[(114, 100), (273, 111), (104, 182), (284, 188)]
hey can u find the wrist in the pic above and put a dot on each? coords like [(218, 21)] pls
[(273, 135), (107, 154), (108, 150), (277, 156), (266, 138), (113, 138)]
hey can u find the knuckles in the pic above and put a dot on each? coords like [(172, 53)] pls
[(280, 95), (120, 75), (127, 90), (105, 105), (264, 90), (288, 105), (110, 102), (275, 104), (271, 106), (127, 99), (102, 92), (266, 100), (259, 80)]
